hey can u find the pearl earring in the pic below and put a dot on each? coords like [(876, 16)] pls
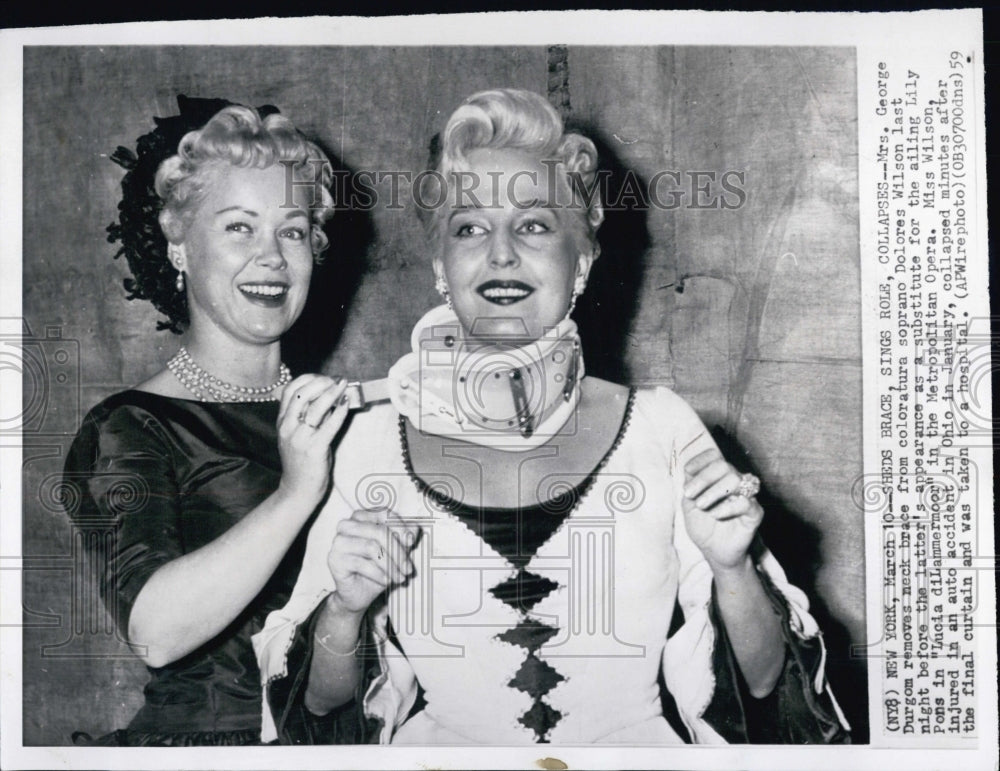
[(175, 259)]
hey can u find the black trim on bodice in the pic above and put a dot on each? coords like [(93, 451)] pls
[(517, 534)]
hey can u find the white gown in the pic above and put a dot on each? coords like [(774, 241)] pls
[(619, 563)]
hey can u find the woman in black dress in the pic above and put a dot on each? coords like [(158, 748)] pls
[(206, 473)]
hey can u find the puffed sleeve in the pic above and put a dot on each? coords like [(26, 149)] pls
[(699, 666), (119, 479), (284, 647)]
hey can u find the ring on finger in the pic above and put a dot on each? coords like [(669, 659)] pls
[(749, 486)]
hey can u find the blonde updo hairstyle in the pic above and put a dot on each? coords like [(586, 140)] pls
[(507, 118), (238, 136)]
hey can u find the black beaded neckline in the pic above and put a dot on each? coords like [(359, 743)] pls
[(564, 503)]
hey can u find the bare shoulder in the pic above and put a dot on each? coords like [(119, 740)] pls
[(164, 383)]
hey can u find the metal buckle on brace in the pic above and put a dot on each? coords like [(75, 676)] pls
[(355, 396), (361, 394), (524, 419), (574, 368)]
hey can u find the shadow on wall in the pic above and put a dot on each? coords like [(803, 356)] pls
[(335, 281), (607, 309), (797, 545)]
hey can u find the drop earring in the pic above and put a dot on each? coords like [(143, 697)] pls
[(176, 260), (572, 303), (578, 287), (442, 289)]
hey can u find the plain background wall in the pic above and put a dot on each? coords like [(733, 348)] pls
[(753, 314)]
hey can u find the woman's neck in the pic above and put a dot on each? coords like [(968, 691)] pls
[(495, 477), (236, 362)]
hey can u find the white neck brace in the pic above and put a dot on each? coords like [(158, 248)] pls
[(510, 396)]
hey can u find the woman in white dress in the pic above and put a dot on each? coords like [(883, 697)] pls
[(514, 552)]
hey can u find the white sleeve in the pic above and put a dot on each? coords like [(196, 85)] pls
[(688, 655), (392, 694), (272, 643)]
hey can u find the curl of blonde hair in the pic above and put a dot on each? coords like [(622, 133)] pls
[(507, 118)]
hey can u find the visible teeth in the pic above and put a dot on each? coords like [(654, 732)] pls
[(268, 290), (505, 292)]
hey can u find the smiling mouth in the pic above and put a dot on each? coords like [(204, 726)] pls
[(504, 292), (266, 293)]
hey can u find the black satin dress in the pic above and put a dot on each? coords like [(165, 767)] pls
[(161, 477)]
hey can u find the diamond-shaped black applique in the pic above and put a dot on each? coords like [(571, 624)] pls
[(535, 677), (524, 590), (541, 719), (529, 634)]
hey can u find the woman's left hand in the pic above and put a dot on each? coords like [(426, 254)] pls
[(720, 521)]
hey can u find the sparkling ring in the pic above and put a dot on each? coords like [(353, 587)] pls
[(302, 416), (749, 486)]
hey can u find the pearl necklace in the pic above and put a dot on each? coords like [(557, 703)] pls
[(207, 387)]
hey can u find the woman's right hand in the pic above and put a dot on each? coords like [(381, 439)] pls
[(312, 411), (370, 553)]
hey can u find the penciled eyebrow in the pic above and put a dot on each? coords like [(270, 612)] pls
[(461, 209), (252, 213), (534, 203)]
